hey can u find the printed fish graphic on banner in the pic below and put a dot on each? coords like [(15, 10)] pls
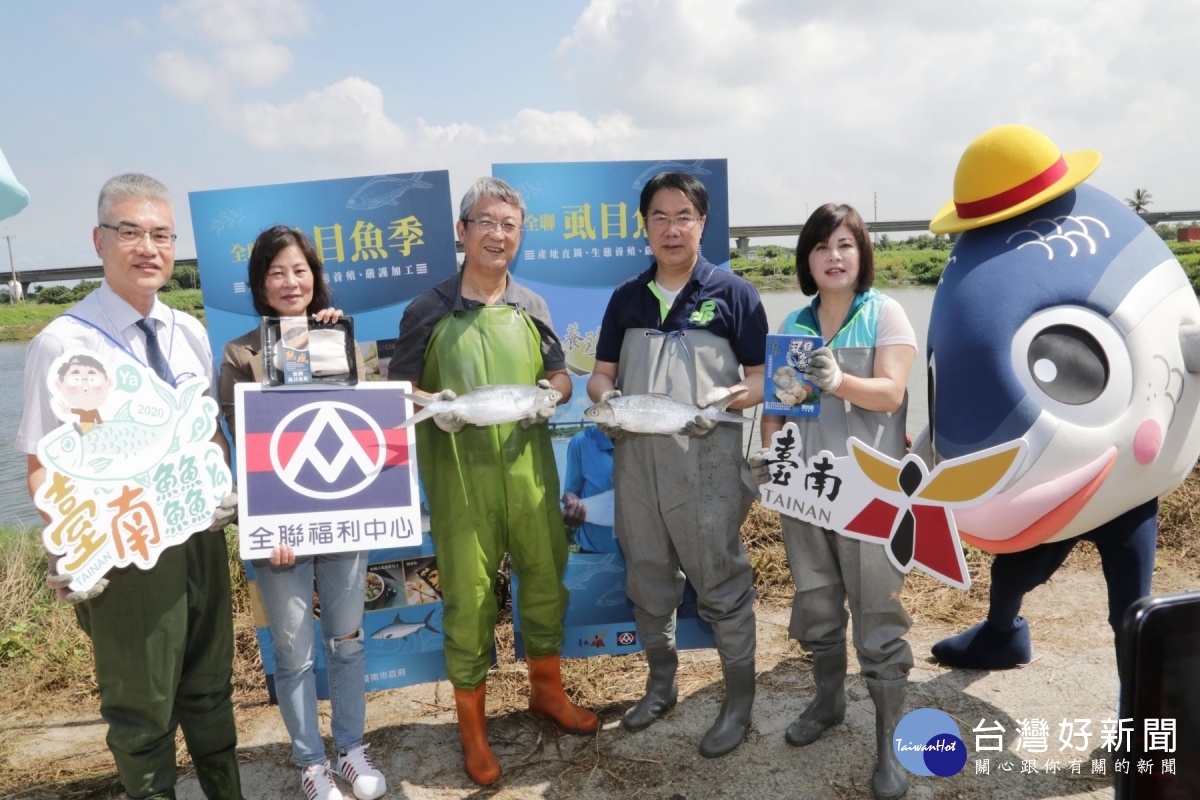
[(402, 630), (385, 190)]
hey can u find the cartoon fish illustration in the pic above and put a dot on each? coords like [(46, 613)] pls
[(121, 448), (399, 629), (694, 168), (1092, 358), (385, 190)]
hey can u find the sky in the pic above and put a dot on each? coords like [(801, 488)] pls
[(870, 103)]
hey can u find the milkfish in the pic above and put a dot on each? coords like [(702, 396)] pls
[(120, 448), (657, 413), (399, 629), (384, 190), (488, 405), (1071, 326)]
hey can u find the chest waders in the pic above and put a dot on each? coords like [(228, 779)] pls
[(831, 570), (490, 490), (680, 504)]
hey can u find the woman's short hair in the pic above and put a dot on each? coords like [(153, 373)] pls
[(690, 185), (819, 227), (267, 246)]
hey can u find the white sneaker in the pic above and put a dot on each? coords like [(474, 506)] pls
[(356, 767), (317, 783)]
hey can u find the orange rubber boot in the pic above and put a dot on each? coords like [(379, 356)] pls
[(482, 766), (548, 700)]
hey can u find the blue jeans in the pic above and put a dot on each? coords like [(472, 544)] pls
[(287, 594)]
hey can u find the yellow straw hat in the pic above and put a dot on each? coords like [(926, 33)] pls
[(1007, 171)]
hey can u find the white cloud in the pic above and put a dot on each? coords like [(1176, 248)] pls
[(347, 115), (849, 101), (237, 38), (239, 22), (259, 64), (564, 134), (187, 77)]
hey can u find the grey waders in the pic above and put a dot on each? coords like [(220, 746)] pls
[(828, 707), (733, 721), (889, 780)]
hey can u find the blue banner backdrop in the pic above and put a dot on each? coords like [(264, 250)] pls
[(383, 240)]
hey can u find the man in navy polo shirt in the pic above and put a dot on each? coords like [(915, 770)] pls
[(691, 331)]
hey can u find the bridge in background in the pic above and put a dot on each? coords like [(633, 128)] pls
[(741, 234)]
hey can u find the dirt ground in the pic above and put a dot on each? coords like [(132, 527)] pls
[(414, 737)]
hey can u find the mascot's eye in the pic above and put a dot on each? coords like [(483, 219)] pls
[(1068, 364), (1074, 364)]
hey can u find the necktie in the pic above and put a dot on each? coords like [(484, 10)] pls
[(154, 354)]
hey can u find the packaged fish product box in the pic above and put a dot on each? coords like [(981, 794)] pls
[(785, 391)]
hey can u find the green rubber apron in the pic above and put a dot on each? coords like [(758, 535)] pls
[(490, 490)]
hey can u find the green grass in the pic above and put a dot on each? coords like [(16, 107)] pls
[(29, 314), (21, 323), (44, 655)]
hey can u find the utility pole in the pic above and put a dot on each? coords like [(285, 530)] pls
[(15, 287), (875, 215)]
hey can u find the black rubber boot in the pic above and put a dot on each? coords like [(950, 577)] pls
[(828, 707), (662, 692), (889, 781), (733, 721)]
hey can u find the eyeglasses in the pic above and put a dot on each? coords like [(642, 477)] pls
[(661, 222), (488, 225), (132, 233)]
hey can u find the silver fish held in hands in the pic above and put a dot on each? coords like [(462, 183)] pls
[(488, 405), (658, 413)]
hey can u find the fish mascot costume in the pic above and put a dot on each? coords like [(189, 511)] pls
[(1064, 320)]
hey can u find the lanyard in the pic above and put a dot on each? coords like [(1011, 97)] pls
[(177, 379)]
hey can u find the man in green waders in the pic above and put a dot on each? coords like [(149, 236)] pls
[(491, 489), (694, 332)]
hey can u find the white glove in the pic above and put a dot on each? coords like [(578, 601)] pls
[(226, 512), (60, 581), (760, 469), (823, 370), (449, 421), (613, 431), (699, 425), (542, 413), (712, 396)]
